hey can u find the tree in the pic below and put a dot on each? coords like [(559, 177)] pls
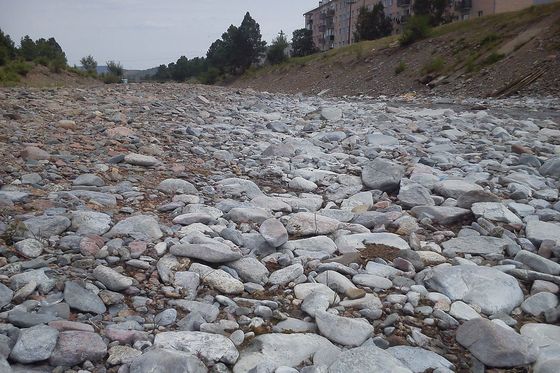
[(302, 43), (115, 68), (27, 48), (277, 51), (373, 24), (249, 44), (89, 64), (7, 48), (433, 9)]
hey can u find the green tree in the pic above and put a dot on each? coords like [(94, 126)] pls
[(302, 43), (249, 45), (277, 51), (373, 24), (7, 48), (89, 63), (433, 9), (27, 48), (115, 68)]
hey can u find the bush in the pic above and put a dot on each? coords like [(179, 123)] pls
[(115, 68), (400, 68), (493, 58), (111, 78), (434, 66), (57, 65), (19, 67), (417, 28)]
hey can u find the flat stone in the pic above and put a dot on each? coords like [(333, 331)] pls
[(29, 247), (90, 222), (211, 253), (218, 279), (111, 278), (538, 231), (166, 361), (286, 275), (372, 281), (88, 180), (250, 269), (455, 188), (75, 347), (82, 299), (139, 227), (6, 295), (43, 281), (34, 344), (537, 262), (462, 311), (539, 303), (343, 330), (418, 359), (248, 215), (46, 226), (193, 218), (141, 160), (274, 232), (547, 339), (210, 348), (318, 243), (331, 113), (369, 358), (282, 350), (382, 174), (177, 186), (441, 214), (495, 212), (491, 290), (412, 194), (495, 345), (477, 245), (238, 187)]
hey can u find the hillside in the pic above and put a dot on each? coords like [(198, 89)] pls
[(489, 56)]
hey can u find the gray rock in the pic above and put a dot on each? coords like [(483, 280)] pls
[(379, 140), (166, 361), (478, 245), (111, 278), (248, 215), (140, 227), (496, 345), (282, 350), (6, 295), (210, 348), (286, 275), (90, 222), (103, 199), (441, 214), (46, 226), (238, 187), (29, 247), (539, 303), (209, 252), (82, 299), (34, 344), (537, 262), (306, 224), (88, 180), (372, 281), (194, 217), (368, 358), (75, 347), (250, 269), (166, 317), (177, 186), (462, 311), (495, 211), (467, 199), (491, 290), (418, 359), (455, 188), (382, 174), (141, 160), (318, 243), (547, 339), (273, 232), (343, 330), (551, 168), (44, 282), (411, 195), (331, 113), (218, 279), (315, 302)]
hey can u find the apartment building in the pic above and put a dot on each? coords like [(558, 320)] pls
[(333, 22)]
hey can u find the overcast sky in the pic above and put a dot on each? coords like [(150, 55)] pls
[(143, 33)]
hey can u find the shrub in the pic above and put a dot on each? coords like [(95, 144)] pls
[(434, 66), (19, 67), (493, 58), (111, 78), (489, 39), (57, 65), (400, 68), (417, 28)]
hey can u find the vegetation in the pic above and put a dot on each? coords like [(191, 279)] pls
[(373, 24), (417, 28), (401, 67), (276, 53), (89, 64), (435, 65), (302, 43), (434, 10)]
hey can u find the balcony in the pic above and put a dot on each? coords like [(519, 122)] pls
[(403, 3)]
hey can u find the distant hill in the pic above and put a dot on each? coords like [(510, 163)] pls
[(131, 75)]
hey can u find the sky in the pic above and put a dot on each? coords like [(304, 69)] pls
[(140, 33)]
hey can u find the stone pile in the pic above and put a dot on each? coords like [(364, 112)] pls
[(178, 228)]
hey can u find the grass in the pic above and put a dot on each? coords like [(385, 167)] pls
[(400, 68), (492, 58), (12, 72), (435, 65)]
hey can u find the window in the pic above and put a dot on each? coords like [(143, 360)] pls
[(480, 12)]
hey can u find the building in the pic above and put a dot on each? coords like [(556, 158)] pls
[(333, 22)]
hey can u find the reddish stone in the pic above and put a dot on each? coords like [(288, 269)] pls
[(520, 149), (34, 153), (126, 336), (64, 325), (90, 245), (137, 248), (75, 347)]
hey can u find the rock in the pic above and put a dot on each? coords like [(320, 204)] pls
[(456, 188), (75, 347), (441, 214), (193, 218), (368, 358), (82, 299), (547, 339), (539, 303), (331, 113), (46, 226), (238, 187), (88, 180), (496, 212), (141, 160), (90, 222), (286, 275), (30, 247), (274, 232), (139, 227), (538, 231), (418, 359), (301, 184), (318, 243), (250, 269), (466, 200), (378, 141), (211, 253), (43, 281), (34, 153), (382, 174), (111, 279), (166, 317), (248, 215), (218, 279), (316, 302), (307, 224), (358, 241), (491, 290), (177, 186), (537, 262), (6, 295), (166, 361), (122, 355), (478, 245), (551, 168), (211, 348), (343, 330), (462, 311), (282, 350), (495, 345), (372, 281), (411, 195), (34, 344)]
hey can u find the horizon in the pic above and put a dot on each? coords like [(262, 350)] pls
[(120, 30)]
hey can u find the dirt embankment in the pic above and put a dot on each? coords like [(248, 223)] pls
[(490, 56)]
